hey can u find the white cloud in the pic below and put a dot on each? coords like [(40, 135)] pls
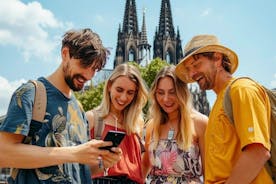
[(6, 90), (27, 26), (205, 12)]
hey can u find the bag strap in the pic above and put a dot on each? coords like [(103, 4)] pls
[(98, 125), (39, 110), (2, 118), (227, 102), (40, 101)]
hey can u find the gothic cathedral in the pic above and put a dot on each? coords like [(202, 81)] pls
[(133, 45)]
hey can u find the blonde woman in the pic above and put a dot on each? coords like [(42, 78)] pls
[(124, 97), (174, 134)]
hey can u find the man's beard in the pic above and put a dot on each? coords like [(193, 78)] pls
[(70, 82), (209, 81)]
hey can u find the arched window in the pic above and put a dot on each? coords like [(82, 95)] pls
[(131, 55), (168, 58)]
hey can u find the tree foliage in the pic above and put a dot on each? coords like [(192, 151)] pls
[(150, 71), (92, 97)]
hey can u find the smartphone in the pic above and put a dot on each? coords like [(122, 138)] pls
[(115, 137)]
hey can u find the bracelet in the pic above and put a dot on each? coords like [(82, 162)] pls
[(100, 164), (106, 171)]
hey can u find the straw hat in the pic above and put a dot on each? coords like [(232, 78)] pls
[(201, 44)]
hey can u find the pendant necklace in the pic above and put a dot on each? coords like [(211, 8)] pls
[(171, 133)]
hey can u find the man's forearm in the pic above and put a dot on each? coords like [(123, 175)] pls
[(250, 163)]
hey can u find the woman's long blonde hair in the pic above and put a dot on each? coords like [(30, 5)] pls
[(158, 116), (133, 114)]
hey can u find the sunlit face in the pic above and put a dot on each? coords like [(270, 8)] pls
[(122, 91), (202, 70), (76, 75), (166, 95)]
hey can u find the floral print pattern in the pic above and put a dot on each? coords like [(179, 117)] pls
[(64, 124), (172, 165)]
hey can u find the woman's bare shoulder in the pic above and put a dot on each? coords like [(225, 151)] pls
[(200, 121), (90, 117)]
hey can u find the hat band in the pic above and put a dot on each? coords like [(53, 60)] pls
[(190, 51)]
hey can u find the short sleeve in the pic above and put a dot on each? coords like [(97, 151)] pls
[(19, 114), (251, 115)]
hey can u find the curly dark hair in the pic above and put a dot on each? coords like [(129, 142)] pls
[(87, 46)]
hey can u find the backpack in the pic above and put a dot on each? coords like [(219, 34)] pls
[(40, 101), (227, 105), (98, 125), (39, 110)]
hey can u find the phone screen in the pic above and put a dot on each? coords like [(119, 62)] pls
[(115, 137)]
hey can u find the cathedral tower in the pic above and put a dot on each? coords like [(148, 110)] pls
[(167, 44), (144, 46), (132, 45)]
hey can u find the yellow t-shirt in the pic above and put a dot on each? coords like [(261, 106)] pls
[(224, 141)]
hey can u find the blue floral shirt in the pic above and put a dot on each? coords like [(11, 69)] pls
[(64, 125)]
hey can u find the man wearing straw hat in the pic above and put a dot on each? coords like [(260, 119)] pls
[(234, 153)]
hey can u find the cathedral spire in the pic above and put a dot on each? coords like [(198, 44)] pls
[(144, 46), (167, 45), (144, 39), (165, 20), (132, 45), (130, 24)]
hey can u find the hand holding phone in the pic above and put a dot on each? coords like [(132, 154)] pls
[(115, 137)]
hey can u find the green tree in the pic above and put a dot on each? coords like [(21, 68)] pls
[(150, 71), (92, 97)]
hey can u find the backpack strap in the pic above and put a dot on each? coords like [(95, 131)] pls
[(272, 161), (227, 102), (39, 110), (40, 101), (2, 118), (98, 125)]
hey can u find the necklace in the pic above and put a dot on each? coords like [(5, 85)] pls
[(117, 120), (171, 133), (173, 129)]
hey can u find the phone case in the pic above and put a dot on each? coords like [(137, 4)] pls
[(115, 137)]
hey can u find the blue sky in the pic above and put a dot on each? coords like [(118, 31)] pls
[(30, 33)]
